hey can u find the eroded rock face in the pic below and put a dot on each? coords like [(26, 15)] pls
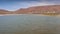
[(35, 10), (39, 9)]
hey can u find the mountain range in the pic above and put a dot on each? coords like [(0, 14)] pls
[(34, 10)]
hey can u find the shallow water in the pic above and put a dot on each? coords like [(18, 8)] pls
[(29, 24)]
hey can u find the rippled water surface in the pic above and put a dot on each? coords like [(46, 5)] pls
[(29, 24)]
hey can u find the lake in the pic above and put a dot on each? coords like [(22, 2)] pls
[(29, 24)]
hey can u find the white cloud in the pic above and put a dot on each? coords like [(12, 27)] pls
[(19, 5), (37, 4), (40, 4)]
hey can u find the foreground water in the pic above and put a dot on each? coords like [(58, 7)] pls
[(29, 24)]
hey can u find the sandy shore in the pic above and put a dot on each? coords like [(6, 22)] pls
[(28, 14)]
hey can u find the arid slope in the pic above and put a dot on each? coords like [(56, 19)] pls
[(35, 10)]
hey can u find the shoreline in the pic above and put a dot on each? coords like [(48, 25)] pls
[(27, 14)]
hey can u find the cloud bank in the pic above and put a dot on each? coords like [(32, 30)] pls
[(14, 5)]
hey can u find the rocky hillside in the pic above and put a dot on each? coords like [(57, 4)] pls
[(39, 9), (35, 10), (2, 11)]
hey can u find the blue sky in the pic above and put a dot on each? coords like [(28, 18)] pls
[(17, 4)]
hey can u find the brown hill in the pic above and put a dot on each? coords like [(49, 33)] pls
[(50, 9), (40, 10), (5, 11)]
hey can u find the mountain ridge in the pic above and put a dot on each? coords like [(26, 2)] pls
[(34, 10)]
